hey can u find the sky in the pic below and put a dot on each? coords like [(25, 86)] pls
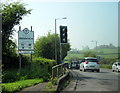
[(86, 21)]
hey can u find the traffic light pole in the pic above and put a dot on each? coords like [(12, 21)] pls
[(60, 52), (56, 40)]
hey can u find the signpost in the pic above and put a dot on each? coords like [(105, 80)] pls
[(25, 43)]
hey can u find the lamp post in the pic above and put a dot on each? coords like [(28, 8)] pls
[(96, 45), (55, 36)]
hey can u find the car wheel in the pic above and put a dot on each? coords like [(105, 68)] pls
[(98, 70), (92, 70), (84, 70), (112, 70)]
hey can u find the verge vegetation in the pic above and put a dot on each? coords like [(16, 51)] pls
[(18, 85)]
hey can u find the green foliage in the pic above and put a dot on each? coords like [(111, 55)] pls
[(13, 61), (108, 61), (106, 66), (41, 68), (47, 64), (12, 13), (74, 59), (18, 85), (45, 47), (55, 81), (89, 54), (50, 87)]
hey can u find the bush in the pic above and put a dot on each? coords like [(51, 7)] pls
[(47, 63), (107, 61), (41, 68)]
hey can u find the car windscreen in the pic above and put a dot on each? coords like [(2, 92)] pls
[(91, 60)]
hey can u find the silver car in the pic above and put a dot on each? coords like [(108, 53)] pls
[(116, 67), (90, 63)]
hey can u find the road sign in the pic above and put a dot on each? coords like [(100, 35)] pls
[(26, 41)]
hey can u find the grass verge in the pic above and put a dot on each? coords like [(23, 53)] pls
[(51, 85), (106, 66), (18, 85)]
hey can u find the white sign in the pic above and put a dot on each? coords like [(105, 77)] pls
[(26, 41)]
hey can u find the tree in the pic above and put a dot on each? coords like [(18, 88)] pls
[(45, 47), (12, 13)]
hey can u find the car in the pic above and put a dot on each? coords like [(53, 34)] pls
[(116, 67), (74, 64), (90, 63)]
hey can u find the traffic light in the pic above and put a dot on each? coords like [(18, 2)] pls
[(63, 34)]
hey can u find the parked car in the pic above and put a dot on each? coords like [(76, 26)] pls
[(116, 67), (90, 63), (74, 64)]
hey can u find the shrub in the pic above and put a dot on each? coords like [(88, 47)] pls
[(41, 68)]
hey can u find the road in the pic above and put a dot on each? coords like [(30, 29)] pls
[(105, 80)]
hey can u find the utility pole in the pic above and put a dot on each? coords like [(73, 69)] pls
[(56, 35)]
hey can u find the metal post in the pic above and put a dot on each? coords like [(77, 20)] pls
[(55, 43), (31, 28), (60, 53), (31, 61), (19, 54), (58, 72), (19, 62), (96, 47), (55, 37)]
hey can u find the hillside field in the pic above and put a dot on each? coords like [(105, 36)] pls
[(104, 53)]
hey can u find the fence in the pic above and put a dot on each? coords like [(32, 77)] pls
[(59, 70)]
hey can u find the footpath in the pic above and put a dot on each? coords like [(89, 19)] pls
[(39, 88)]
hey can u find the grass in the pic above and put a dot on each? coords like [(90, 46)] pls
[(51, 85), (107, 53), (106, 66), (74, 55), (18, 85)]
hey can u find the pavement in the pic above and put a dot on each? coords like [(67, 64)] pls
[(39, 88)]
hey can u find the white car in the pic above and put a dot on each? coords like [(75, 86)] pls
[(90, 63), (116, 67)]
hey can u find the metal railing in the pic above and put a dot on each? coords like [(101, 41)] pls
[(59, 70)]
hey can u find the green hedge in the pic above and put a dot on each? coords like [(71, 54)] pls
[(41, 68), (18, 85)]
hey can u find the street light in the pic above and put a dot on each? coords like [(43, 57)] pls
[(96, 44), (55, 37)]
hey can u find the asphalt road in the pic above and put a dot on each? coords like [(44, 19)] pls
[(105, 80)]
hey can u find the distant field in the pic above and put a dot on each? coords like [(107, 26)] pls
[(104, 50), (106, 53)]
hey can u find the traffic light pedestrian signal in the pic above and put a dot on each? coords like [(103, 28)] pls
[(63, 34)]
